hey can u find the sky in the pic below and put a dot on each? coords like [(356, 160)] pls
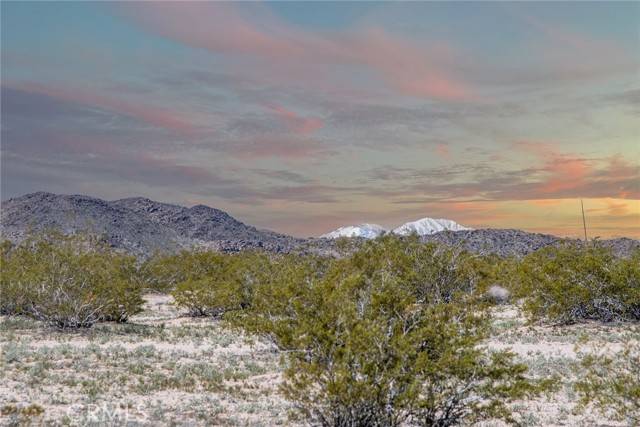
[(301, 117)]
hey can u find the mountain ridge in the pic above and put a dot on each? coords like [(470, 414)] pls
[(142, 226)]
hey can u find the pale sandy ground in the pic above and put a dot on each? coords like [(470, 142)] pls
[(167, 369), (556, 350)]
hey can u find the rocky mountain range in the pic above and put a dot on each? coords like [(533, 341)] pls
[(142, 226)]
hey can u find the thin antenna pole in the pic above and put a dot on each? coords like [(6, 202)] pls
[(584, 222)]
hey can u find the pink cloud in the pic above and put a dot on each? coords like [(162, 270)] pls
[(443, 151), (295, 123), (420, 71), (158, 117), (408, 68), (565, 174)]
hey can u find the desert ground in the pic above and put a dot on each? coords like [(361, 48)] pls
[(165, 368)]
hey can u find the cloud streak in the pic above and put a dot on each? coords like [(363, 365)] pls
[(557, 176), (158, 117), (295, 123)]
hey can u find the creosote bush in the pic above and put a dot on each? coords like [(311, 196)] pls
[(212, 283), (387, 336), (574, 283), (11, 296), (162, 272), (68, 281)]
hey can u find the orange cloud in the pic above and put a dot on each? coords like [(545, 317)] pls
[(545, 202), (564, 172), (617, 208)]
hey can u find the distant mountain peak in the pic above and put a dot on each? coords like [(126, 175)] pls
[(368, 231), (426, 226), (422, 227)]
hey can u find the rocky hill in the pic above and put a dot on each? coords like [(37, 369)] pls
[(137, 225)]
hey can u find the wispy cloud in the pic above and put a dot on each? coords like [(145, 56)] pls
[(226, 28), (555, 176), (158, 117), (294, 122)]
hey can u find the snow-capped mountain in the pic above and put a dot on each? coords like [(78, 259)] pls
[(422, 227), (368, 231), (427, 226)]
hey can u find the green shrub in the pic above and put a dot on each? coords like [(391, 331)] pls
[(69, 281), (433, 273), (11, 296), (498, 278), (627, 274), (385, 337), (573, 283), (121, 288), (280, 295), (162, 272), (613, 384), (215, 283)]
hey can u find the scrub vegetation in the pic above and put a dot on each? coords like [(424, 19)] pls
[(391, 332)]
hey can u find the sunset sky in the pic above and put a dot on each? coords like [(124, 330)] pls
[(302, 117)]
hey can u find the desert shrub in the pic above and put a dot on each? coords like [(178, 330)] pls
[(121, 288), (613, 383), (162, 272), (210, 287), (573, 283), (69, 281), (499, 278), (11, 296), (280, 295), (215, 283), (434, 273), (627, 274), (371, 342)]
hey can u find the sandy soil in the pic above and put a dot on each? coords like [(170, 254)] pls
[(164, 368)]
